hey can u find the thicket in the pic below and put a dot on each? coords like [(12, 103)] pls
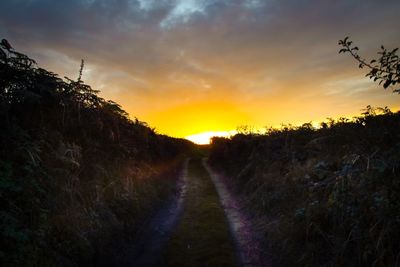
[(327, 196), (77, 176)]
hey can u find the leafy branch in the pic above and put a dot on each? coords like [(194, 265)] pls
[(385, 69)]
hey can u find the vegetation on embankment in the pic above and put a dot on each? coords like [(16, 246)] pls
[(202, 237), (328, 196), (77, 176)]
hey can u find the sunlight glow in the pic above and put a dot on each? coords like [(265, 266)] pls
[(205, 138)]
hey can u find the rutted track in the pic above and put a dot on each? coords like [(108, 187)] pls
[(151, 242), (247, 244), (202, 237), (188, 231)]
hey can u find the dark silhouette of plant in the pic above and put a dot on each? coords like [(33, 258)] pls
[(385, 69), (81, 70), (77, 176), (327, 196)]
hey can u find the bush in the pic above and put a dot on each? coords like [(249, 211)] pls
[(76, 174), (330, 195)]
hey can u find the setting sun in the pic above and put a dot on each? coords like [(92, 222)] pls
[(205, 138)]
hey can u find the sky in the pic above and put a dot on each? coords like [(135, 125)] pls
[(190, 67)]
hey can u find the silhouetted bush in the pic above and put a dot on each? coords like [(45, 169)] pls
[(328, 196), (77, 176)]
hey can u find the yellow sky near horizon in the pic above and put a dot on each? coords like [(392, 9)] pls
[(227, 113)]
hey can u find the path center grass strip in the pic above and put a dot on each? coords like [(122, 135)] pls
[(202, 237)]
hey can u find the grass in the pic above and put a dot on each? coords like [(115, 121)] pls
[(327, 196), (202, 238), (78, 178)]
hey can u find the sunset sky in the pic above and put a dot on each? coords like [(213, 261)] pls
[(193, 66)]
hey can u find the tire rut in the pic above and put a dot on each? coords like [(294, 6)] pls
[(202, 238), (241, 226), (151, 242)]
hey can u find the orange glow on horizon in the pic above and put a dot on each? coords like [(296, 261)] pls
[(200, 121), (205, 138), (202, 117)]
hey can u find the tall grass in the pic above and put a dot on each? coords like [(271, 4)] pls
[(78, 178), (328, 196)]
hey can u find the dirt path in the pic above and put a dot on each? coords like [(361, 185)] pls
[(203, 226), (202, 237), (241, 226), (151, 242)]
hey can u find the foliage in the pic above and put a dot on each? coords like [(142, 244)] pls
[(77, 176), (327, 196), (385, 69)]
